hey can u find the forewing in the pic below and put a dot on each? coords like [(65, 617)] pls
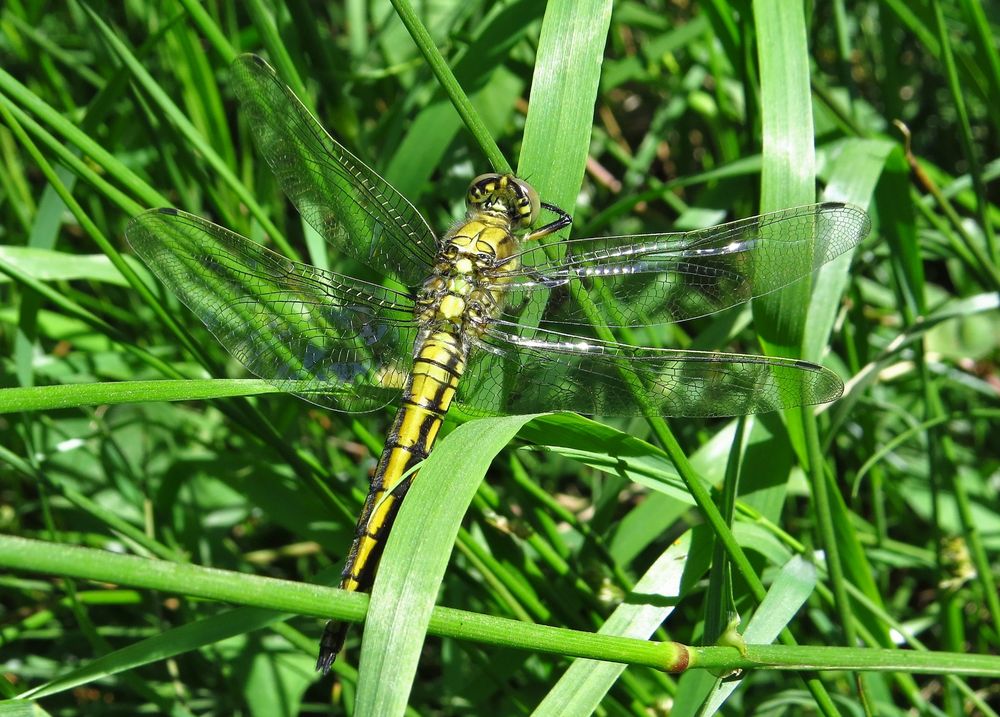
[(331, 339), (660, 278), (349, 204), (557, 372)]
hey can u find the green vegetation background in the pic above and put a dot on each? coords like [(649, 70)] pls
[(704, 112)]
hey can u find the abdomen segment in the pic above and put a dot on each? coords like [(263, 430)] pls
[(429, 390)]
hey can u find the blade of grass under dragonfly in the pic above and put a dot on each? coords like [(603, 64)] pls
[(855, 173), (416, 556)]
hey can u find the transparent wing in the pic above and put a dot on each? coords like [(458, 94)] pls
[(660, 278), (559, 372), (333, 340), (344, 200)]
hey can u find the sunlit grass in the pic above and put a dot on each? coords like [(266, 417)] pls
[(702, 115)]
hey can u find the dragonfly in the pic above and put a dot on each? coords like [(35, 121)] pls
[(485, 316)]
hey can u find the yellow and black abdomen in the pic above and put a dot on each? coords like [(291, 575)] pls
[(450, 308), (429, 390), (428, 394)]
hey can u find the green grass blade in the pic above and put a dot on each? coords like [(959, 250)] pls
[(301, 598), (193, 636), (307, 599), (416, 555), (461, 102), (788, 169), (482, 66), (178, 118), (49, 265), (564, 88), (955, 86), (210, 28), (853, 177), (280, 57), (47, 398), (788, 173)]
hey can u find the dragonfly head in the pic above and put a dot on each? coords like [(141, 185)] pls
[(504, 195)]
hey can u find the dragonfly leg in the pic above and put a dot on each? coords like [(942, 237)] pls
[(562, 221)]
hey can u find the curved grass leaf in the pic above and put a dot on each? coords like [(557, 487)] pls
[(416, 555)]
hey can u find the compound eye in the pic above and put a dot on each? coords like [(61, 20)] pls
[(529, 206), (484, 178), (481, 188)]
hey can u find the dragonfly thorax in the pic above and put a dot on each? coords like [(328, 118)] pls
[(461, 294), (503, 195)]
